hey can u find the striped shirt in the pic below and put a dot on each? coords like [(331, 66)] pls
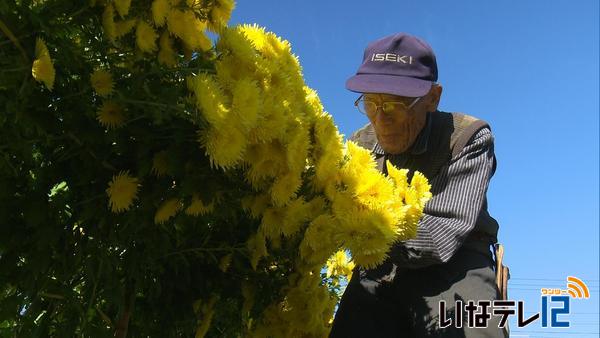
[(452, 212)]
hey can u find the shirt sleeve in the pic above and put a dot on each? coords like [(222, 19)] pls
[(451, 213)]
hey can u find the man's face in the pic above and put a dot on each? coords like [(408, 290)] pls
[(397, 131)]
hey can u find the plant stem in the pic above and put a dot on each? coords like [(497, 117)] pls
[(123, 323), (192, 250), (14, 40), (149, 103), (51, 295), (89, 200)]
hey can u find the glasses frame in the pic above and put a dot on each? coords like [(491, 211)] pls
[(377, 106)]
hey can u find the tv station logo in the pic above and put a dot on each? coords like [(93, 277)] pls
[(555, 307)]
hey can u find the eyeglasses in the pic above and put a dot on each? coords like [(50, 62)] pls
[(370, 108)]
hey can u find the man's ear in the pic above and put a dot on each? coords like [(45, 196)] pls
[(434, 97)]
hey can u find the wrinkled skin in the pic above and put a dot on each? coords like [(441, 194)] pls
[(397, 131)]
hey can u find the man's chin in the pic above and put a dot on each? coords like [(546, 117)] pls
[(393, 149)]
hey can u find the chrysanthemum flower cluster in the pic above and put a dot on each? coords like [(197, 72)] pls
[(307, 185), (43, 67), (168, 29), (213, 161)]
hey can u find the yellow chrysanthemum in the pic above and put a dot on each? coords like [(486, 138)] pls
[(411, 215), (328, 149), (122, 6), (370, 187), (284, 188), (377, 192), (421, 185), (399, 176), (347, 210), (271, 223), (110, 115), (318, 241), (229, 70), (303, 306), (256, 205), (271, 46), (166, 55), (256, 34), (102, 82), (225, 146), (168, 209), (246, 102), (189, 28), (296, 213), (257, 247), (123, 27), (198, 208), (43, 68), (319, 231), (240, 47), (360, 176), (145, 37), (122, 191), (297, 146), (210, 99), (266, 160), (370, 260), (220, 14), (313, 107), (411, 196), (283, 49), (316, 207), (326, 169), (40, 48), (176, 22), (160, 163), (108, 23), (340, 265), (325, 130), (160, 10), (360, 156), (272, 126), (196, 38), (370, 236)]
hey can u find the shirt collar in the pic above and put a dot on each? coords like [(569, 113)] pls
[(419, 146)]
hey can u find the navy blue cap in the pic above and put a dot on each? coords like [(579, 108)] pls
[(399, 64)]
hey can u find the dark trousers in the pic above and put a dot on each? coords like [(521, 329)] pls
[(391, 301)]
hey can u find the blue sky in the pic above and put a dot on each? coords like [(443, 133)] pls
[(529, 68)]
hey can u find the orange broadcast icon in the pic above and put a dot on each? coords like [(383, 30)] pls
[(577, 288)]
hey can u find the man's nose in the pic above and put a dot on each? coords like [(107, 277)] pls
[(381, 117)]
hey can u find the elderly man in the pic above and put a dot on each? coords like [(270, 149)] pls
[(423, 289)]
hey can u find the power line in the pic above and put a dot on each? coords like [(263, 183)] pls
[(539, 290), (554, 332), (529, 336), (555, 287), (548, 285), (554, 279), (577, 313)]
